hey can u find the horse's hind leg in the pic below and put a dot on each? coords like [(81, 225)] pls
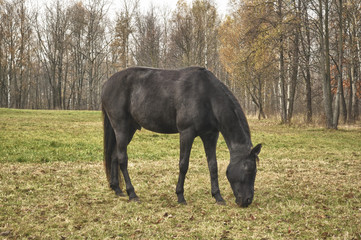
[(124, 132), (114, 179), (210, 143)]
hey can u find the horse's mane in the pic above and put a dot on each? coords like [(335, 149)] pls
[(236, 106)]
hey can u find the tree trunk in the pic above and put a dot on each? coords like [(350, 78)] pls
[(358, 67), (340, 98), (325, 63), (260, 100), (308, 71), (282, 67), (350, 93), (294, 66)]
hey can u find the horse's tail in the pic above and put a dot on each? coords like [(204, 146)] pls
[(109, 145)]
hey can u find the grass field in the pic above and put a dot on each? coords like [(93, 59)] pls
[(53, 185)]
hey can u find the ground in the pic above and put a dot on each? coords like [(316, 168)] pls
[(53, 185)]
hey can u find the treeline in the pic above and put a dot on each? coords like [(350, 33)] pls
[(296, 56), (280, 57)]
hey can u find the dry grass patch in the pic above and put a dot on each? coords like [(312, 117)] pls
[(307, 186)]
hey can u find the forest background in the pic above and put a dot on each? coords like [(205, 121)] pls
[(281, 58)]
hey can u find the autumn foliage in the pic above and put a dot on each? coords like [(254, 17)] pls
[(279, 57)]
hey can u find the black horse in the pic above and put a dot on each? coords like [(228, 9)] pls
[(191, 102)]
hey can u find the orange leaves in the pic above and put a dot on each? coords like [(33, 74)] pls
[(246, 41), (229, 34)]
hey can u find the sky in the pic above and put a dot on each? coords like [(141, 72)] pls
[(116, 5), (222, 5)]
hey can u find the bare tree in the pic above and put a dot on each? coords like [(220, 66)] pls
[(77, 58), (262, 50), (325, 59), (124, 30), (15, 54), (353, 31), (147, 49), (52, 38), (95, 49), (305, 31)]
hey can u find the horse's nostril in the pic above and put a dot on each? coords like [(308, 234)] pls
[(249, 200)]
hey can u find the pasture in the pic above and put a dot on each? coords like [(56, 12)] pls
[(53, 184)]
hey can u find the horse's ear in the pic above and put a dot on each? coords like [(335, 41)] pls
[(256, 150)]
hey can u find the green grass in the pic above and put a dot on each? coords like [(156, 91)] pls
[(53, 186), (48, 136)]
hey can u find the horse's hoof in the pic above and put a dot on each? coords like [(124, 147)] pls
[(136, 200), (183, 202), (120, 194), (222, 203), (118, 191)]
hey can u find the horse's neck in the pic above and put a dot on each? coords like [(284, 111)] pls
[(236, 134), (233, 123), (237, 141)]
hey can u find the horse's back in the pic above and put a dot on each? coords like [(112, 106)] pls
[(165, 101)]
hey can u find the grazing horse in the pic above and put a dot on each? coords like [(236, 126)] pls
[(189, 101)]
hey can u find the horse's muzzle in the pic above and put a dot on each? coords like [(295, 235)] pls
[(245, 203)]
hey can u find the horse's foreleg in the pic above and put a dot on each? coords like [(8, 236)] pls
[(210, 143), (186, 141)]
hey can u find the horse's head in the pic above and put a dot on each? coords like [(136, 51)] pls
[(241, 174)]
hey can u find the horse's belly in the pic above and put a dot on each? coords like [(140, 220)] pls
[(155, 118), (159, 125)]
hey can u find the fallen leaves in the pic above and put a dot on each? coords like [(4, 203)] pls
[(164, 217), (300, 192)]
